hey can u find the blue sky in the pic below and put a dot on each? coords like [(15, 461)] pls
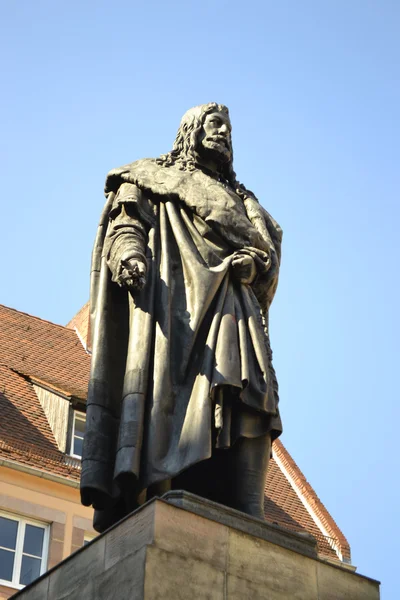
[(314, 94)]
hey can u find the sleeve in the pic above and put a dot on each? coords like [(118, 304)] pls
[(266, 283), (130, 219)]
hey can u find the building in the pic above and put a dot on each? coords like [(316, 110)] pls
[(44, 371)]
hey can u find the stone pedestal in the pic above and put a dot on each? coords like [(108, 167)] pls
[(182, 547)]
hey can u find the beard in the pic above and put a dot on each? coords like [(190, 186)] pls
[(216, 148)]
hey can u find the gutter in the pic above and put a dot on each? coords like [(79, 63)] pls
[(16, 466)]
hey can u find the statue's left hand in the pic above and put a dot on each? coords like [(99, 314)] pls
[(133, 274), (244, 268)]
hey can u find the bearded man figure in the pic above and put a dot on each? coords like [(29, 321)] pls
[(182, 392)]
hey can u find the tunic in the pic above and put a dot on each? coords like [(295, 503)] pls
[(185, 364)]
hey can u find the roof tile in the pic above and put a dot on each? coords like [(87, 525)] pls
[(25, 433), (49, 352)]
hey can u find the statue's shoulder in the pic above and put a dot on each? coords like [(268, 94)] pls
[(133, 172), (149, 175)]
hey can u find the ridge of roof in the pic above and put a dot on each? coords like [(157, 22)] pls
[(312, 498), (21, 312), (36, 381), (283, 506), (48, 386)]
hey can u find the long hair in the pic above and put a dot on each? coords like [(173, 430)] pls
[(183, 153)]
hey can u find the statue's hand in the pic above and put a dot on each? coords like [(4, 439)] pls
[(133, 274), (244, 268)]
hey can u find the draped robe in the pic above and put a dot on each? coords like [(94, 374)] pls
[(184, 365)]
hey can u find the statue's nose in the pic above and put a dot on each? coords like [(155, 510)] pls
[(224, 129)]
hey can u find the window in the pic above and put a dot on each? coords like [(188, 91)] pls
[(23, 550), (78, 430)]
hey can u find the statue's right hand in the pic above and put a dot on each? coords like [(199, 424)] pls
[(132, 274)]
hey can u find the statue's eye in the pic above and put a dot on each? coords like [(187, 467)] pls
[(215, 122)]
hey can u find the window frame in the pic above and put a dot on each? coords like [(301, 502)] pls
[(19, 547), (80, 416)]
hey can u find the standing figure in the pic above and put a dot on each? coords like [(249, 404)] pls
[(182, 392)]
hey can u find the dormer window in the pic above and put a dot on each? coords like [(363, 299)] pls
[(78, 430)]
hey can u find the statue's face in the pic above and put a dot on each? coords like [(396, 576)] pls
[(215, 139)]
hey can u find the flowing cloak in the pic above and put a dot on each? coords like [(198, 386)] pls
[(188, 356)]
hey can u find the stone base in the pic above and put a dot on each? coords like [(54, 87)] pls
[(183, 547)]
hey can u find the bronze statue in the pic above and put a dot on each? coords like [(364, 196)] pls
[(182, 393)]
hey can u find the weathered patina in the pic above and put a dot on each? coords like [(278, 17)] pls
[(182, 391)]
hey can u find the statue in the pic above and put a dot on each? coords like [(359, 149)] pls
[(182, 394)]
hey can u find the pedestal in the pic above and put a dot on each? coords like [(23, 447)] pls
[(182, 547)]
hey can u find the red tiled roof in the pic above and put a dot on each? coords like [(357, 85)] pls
[(81, 323), (312, 499), (283, 507), (25, 433), (51, 353), (54, 355)]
